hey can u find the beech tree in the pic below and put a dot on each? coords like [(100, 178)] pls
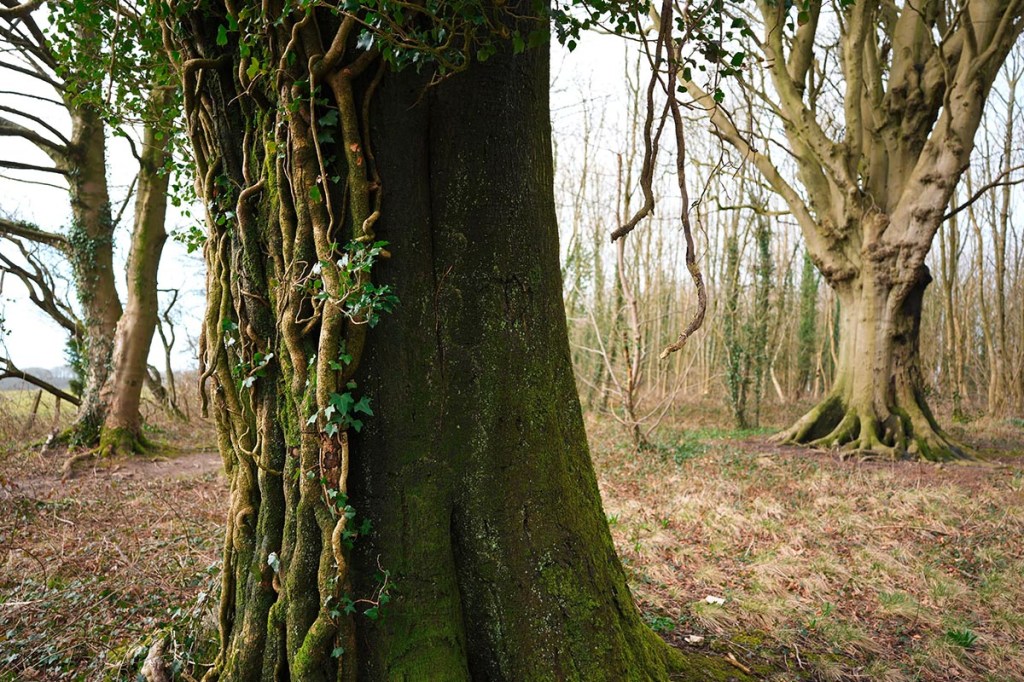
[(873, 185), (411, 493), (92, 64)]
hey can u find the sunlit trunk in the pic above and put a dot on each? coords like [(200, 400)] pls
[(877, 403), (122, 393), (91, 238)]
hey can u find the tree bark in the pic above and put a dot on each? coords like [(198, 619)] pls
[(877, 404), (91, 253), (122, 392), (486, 555)]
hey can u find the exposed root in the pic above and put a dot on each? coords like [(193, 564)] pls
[(907, 432), (69, 464), (819, 419), (113, 443)]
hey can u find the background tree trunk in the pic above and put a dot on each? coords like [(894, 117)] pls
[(877, 403), (122, 393), (91, 253)]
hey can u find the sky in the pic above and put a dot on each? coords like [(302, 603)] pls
[(586, 77), (588, 83)]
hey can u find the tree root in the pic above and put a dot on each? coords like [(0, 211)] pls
[(122, 441), (113, 443), (907, 432), (69, 464)]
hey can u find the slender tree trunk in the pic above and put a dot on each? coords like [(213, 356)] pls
[(807, 330), (485, 532), (122, 393), (91, 254)]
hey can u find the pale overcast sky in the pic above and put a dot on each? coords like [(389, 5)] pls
[(593, 72)]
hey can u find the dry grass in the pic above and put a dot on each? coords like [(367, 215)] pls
[(92, 568), (830, 570)]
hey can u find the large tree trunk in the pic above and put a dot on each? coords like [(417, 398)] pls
[(91, 253), (877, 404), (486, 554), (122, 393)]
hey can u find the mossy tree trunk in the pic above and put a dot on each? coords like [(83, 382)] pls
[(459, 534), (122, 393), (90, 250)]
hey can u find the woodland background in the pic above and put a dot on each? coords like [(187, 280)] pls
[(730, 543)]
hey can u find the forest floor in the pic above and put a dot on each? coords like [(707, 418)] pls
[(806, 566), (799, 565)]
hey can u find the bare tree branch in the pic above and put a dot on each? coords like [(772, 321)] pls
[(26, 181), (32, 233), (1001, 181), (17, 165), (56, 151), (48, 100), (33, 74), (13, 10), (64, 142), (39, 282), (9, 371)]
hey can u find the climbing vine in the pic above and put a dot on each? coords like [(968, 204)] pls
[(277, 104)]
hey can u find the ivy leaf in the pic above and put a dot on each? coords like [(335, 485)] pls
[(342, 401), (222, 35), (330, 119), (363, 406), (314, 193), (337, 652)]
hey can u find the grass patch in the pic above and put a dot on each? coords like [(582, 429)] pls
[(844, 570)]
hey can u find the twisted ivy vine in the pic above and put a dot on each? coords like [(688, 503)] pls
[(277, 102)]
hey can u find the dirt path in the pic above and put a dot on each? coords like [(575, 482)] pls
[(93, 565), (45, 478)]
